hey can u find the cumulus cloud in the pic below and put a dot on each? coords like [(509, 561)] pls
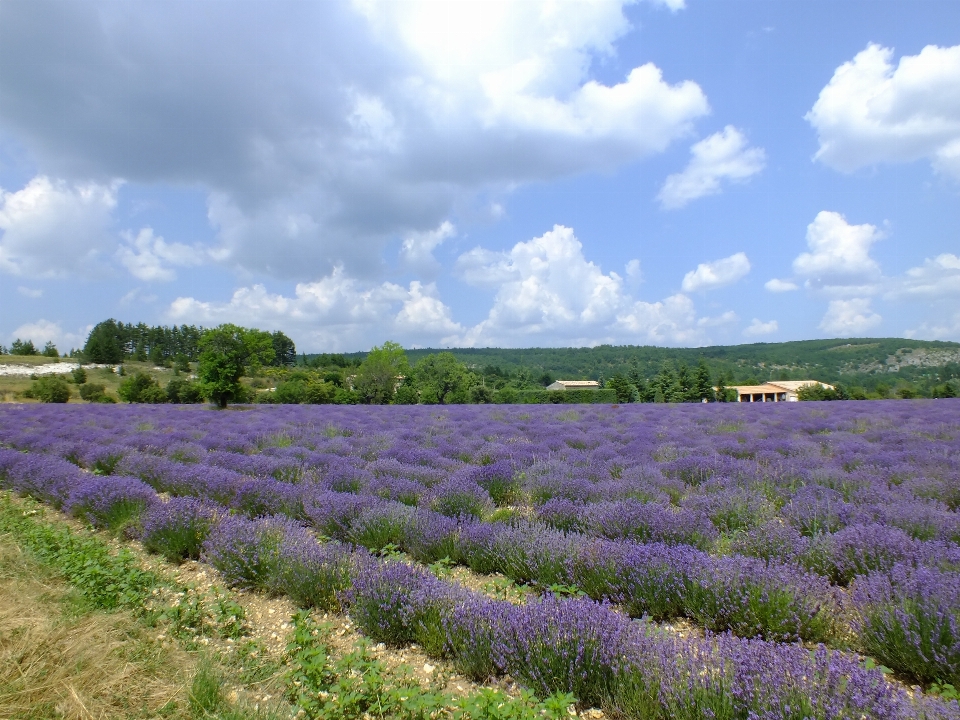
[(874, 112), (778, 286), (937, 278), (367, 123), (51, 228), (544, 291), (845, 318), (43, 331), (337, 312), (839, 257), (944, 327), (725, 155), (149, 257), (418, 247), (758, 327), (546, 288), (717, 274)]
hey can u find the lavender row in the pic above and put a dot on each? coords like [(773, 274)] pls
[(705, 473), (749, 596), (551, 645), (280, 556)]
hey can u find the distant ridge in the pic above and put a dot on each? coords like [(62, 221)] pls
[(849, 360)]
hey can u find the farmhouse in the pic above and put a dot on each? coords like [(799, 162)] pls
[(574, 385), (774, 391)]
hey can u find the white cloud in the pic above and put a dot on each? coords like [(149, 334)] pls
[(717, 274), (51, 228), (336, 312), (758, 327), (633, 270), (872, 112), (727, 318), (30, 292), (418, 247), (423, 313), (778, 286), (547, 291), (845, 318), (357, 126), (722, 156), (945, 327), (936, 278), (149, 257), (43, 331), (839, 257)]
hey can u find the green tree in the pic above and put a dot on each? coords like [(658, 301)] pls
[(49, 389), (626, 391), (95, 393), (79, 375), (702, 385), (141, 388), (380, 373), (443, 380), (104, 344), (183, 392), (284, 350), (50, 350), (227, 352), (23, 347)]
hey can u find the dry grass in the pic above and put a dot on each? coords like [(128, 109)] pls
[(56, 662)]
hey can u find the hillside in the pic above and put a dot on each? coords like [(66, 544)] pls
[(860, 361)]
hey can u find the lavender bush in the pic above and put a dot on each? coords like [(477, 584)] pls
[(178, 528), (113, 502), (909, 619)]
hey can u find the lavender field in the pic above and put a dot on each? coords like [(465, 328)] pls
[(811, 550)]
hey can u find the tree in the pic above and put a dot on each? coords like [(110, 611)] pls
[(380, 373), (23, 347), (702, 385), (141, 388), (104, 344), (50, 350), (721, 392), (443, 380), (227, 352), (284, 351), (626, 391), (49, 389)]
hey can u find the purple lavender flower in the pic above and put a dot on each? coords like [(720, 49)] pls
[(113, 502), (909, 619), (177, 529)]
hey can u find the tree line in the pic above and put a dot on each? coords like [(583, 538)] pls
[(111, 342)]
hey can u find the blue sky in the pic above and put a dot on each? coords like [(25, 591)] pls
[(482, 173)]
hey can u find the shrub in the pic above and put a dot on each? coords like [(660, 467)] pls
[(79, 375), (314, 574), (247, 552), (141, 388), (178, 528), (183, 392), (572, 646), (459, 498), (95, 393), (646, 579), (113, 502), (498, 480), (49, 389), (754, 599), (397, 604), (381, 526), (909, 619)]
